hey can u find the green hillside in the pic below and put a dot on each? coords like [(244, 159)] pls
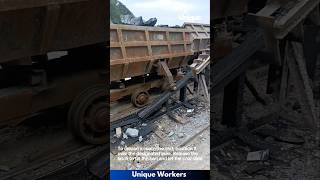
[(117, 9)]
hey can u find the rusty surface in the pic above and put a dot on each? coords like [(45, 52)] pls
[(34, 27), (165, 71), (278, 18), (283, 16), (222, 47), (14, 103), (200, 34), (134, 50), (295, 13), (88, 114), (200, 63), (116, 94), (140, 98), (20, 102)]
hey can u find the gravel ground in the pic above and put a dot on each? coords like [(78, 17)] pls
[(289, 162), (36, 140), (173, 135)]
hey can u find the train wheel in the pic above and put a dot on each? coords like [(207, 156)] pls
[(88, 116), (140, 98)]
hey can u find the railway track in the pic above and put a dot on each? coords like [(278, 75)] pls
[(196, 122), (38, 149), (51, 164)]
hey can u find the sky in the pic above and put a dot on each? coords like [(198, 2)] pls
[(171, 12)]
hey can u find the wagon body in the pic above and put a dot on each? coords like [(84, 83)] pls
[(35, 27), (135, 50), (200, 34), (30, 81)]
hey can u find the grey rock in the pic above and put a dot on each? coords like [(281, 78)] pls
[(170, 134), (140, 138), (180, 135), (118, 132), (120, 148), (132, 132), (222, 153), (190, 110), (258, 155), (253, 168)]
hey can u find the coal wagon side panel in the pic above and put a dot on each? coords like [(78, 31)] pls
[(36, 27), (134, 50)]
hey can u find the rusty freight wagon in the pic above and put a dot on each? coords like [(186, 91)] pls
[(34, 77), (200, 35), (145, 54)]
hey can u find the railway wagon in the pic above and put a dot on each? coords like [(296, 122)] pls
[(200, 34), (145, 55), (53, 53)]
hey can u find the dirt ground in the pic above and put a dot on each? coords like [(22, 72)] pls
[(287, 160), (26, 142), (173, 134), (202, 142), (37, 140)]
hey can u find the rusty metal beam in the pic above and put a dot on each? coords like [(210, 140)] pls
[(116, 94)]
